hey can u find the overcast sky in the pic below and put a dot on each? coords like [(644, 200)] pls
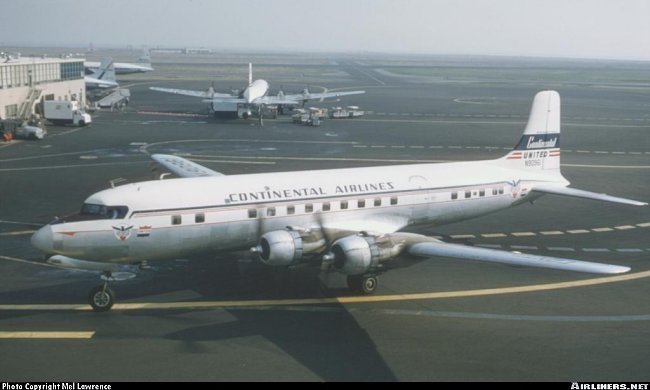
[(612, 29)]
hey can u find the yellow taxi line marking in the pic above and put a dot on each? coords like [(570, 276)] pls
[(344, 300), (46, 335)]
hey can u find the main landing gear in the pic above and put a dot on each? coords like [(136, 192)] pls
[(102, 297), (365, 284)]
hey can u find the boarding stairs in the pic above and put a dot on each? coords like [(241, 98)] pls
[(26, 107)]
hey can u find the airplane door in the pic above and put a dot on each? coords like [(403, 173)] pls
[(419, 209)]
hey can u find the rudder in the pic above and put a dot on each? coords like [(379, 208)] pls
[(539, 146)]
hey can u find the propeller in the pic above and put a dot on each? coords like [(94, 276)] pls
[(328, 257)]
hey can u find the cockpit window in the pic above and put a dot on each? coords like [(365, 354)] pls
[(104, 212)]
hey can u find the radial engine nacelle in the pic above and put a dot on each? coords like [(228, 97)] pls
[(287, 247), (357, 255)]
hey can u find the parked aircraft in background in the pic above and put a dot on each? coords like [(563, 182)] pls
[(353, 218), (253, 98), (143, 65), (103, 77)]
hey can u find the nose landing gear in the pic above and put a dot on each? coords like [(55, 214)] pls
[(102, 297)]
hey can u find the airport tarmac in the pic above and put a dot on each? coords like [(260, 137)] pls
[(222, 318)]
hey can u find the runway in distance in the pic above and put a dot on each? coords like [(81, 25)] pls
[(253, 98), (352, 220)]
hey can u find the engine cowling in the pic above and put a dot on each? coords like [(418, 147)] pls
[(356, 255), (352, 255), (280, 247)]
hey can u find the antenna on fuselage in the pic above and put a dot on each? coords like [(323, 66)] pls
[(116, 181)]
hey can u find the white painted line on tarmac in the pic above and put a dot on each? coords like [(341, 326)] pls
[(578, 231), (523, 234), (551, 233), (462, 236), (18, 233), (624, 227), (602, 229), (45, 335)]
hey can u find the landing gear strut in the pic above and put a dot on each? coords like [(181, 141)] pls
[(101, 297), (365, 284)]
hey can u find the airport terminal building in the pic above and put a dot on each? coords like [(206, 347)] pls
[(26, 81)]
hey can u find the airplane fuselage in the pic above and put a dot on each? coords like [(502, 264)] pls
[(173, 218), (256, 89)]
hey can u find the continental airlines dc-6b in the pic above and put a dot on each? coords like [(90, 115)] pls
[(350, 219)]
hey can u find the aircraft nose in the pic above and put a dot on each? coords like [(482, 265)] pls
[(42, 239)]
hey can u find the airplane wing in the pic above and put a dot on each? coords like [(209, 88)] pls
[(188, 92), (183, 167), (321, 96), (566, 191), (434, 247)]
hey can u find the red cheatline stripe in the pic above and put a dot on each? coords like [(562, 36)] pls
[(514, 158)]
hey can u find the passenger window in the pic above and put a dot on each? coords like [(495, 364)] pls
[(361, 203), (326, 206), (494, 191), (344, 204), (270, 212), (176, 220), (291, 210), (481, 193), (454, 195), (309, 207), (377, 202), (501, 191), (393, 200), (252, 213), (199, 218), (468, 194)]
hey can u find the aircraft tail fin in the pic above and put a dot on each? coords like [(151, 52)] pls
[(539, 146), (106, 70), (145, 58), (539, 150)]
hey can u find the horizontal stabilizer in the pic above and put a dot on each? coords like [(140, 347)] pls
[(183, 167), (566, 191), (439, 248)]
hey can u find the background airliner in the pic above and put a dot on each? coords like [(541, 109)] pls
[(103, 77), (143, 65), (254, 96), (353, 218)]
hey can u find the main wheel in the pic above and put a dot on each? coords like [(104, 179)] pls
[(366, 284), (101, 299)]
